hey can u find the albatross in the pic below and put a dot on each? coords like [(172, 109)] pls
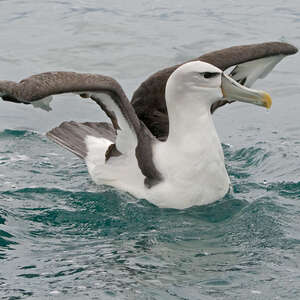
[(162, 146)]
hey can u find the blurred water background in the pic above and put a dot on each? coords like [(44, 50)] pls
[(62, 237)]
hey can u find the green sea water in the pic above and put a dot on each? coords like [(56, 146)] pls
[(63, 237)]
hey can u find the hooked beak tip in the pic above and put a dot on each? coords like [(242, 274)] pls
[(267, 100)]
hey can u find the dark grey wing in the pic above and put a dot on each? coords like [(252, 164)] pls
[(226, 58), (132, 135), (72, 135), (252, 61)]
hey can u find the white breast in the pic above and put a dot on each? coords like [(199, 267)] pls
[(193, 170)]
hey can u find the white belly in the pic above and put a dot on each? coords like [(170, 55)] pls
[(189, 179)]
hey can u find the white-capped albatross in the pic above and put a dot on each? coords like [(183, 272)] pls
[(163, 147)]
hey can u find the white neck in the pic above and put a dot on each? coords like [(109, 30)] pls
[(191, 123), (189, 98)]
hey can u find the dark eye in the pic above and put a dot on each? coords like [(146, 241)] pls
[(208, 75)]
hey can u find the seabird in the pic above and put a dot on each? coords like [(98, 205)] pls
[(162, 146)]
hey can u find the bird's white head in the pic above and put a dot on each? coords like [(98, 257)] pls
[(200, 83), (197, 82), (194, 87)]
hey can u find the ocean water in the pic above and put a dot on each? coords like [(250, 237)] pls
[(63, 237)]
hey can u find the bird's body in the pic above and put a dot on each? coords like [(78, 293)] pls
[(191, 160), (164, 149), (193, 175), (192, 170)]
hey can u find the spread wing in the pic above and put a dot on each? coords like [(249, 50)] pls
[(132, 135), (251, 61)]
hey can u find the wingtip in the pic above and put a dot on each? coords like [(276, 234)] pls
[(7, 90), (286, 48), (294, 49), (291, 48)]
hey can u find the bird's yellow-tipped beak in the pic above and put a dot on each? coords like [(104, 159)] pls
[(232, 90), (267, 100)]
